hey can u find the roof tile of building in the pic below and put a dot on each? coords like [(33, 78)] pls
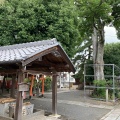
[(23, 51)]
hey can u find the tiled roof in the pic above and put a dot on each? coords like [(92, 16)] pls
[(19, 52)]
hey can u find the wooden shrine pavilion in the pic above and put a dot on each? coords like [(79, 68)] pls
[(46, 57)]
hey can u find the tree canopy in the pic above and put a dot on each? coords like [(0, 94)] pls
[(116, 14), (33, 20), (95, 15), (112, 54)]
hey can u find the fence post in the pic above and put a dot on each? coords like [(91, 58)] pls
[(106, 94)]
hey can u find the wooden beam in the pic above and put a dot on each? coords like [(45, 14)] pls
[(53, 60), (40, 70), (48, 70), (34, 72), (19, 101), (46, 63), (54, 93), (66, 58), (32, 58), (8, 71)]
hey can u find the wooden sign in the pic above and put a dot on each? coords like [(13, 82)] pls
[(23, 87)]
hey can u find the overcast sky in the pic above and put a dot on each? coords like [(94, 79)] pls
[(110, 35)]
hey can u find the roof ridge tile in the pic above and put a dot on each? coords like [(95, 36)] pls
[(30, 44)]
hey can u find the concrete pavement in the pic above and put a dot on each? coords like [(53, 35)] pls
[(72, 104), (71, 111), (74, 99), (114, 114)]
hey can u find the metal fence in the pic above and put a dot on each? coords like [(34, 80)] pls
[(111, 75)]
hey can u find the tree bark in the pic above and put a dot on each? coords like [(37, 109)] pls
[(99, 62), (98, 52), (95, 46)]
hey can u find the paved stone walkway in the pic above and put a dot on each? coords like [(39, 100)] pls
[(114, 114)]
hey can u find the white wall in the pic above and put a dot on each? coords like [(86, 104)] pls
[(64, 79)]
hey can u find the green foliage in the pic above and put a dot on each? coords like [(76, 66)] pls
[(89, 71), (112, 56), (94, 13), (101, 92), (116, 15), (26, 80), (47, 83), (103, 83), (32, 20), (112, 53)]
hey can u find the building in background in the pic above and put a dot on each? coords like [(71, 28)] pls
[(65, 79)]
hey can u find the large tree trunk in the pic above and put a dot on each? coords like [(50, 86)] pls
[(99, 62), (98, 51), (95, 44)]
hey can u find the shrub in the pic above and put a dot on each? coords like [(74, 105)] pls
[(47, 83), (101, 92)]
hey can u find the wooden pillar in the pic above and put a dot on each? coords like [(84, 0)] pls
[(12, 94), (19, 100), (43, 80), (54, 94), (69, 80), (60, 79), (3, 84)]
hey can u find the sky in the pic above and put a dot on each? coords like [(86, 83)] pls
[(110, 35)]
